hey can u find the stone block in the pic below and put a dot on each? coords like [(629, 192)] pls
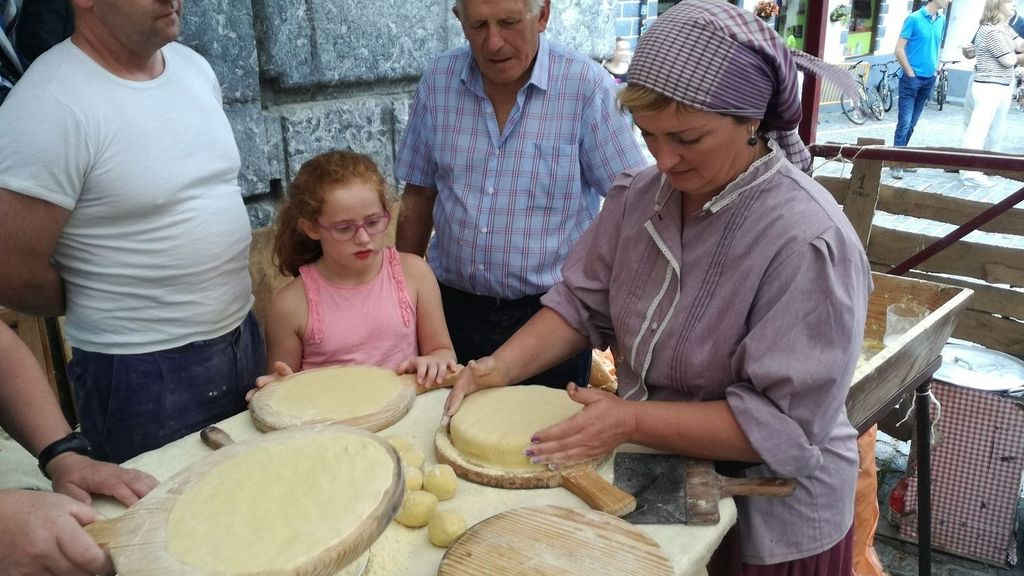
[(262, 212), (348, 41), (284, 35), (222, 31), (587, 26), (261, 155), (363, 125)]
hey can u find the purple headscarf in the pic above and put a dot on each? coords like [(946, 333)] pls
[(710, 55)]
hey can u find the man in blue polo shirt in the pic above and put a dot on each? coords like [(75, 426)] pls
[(917, 51)]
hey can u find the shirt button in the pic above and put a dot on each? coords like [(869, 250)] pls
[(654, 326), (484, 230), (490, 190), (480, 267)]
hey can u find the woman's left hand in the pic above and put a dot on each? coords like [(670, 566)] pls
[(605, 422)]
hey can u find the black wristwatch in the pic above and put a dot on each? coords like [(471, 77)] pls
[(74, 442)]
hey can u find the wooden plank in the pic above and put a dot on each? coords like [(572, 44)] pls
[(988, 299), (862, 192), (997, 333), (932, 206), (876, 380), (993, 264)]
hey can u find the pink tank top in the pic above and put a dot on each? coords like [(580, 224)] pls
[(372, 324)]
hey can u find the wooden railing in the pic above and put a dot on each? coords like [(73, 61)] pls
[(995, 316)]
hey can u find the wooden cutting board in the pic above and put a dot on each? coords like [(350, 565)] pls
[(581, 479), (140, 541), (554, 541), (336, 395)]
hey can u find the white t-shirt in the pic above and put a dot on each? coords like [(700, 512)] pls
[(155, 253)]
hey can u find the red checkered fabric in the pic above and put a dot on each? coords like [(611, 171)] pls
[(976, 475)]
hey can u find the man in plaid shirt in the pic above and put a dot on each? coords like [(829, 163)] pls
[(511, 143)]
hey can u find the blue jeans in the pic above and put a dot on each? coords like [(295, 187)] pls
[(479, 325), (914, 92), (132, 403)]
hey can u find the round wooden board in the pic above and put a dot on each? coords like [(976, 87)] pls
[(137, 540), (554, 541), (581, 479), (466, 469), (268, 416)]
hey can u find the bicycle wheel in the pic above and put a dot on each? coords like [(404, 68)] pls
[(874, 103), (940, 91), (853, 109), (885, 94)]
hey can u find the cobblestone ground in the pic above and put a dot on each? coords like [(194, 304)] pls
[(936, 128)]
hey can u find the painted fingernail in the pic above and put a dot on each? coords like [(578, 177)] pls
[(535, 460), (527, 452), (552, 466), (534, 440)]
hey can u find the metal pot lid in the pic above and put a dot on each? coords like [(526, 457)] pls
[(973, 366)]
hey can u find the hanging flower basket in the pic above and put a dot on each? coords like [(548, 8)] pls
[(766, 10), (840, 14)]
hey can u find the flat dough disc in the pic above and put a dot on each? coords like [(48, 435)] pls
[(494, 426), (302, 502), (366, 397), (280, 506)]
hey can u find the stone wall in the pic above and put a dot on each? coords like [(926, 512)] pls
[(304, 77)]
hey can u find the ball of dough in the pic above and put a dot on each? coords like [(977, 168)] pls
[(411, 457), (445, 526), (413, 478), (440, 481), (401, 443), (417, 508)]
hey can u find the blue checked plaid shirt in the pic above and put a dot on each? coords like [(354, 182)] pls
[(510, 206)]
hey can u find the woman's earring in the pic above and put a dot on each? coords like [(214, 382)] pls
[(752, 141)]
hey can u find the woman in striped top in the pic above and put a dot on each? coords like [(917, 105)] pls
[(996, 45)]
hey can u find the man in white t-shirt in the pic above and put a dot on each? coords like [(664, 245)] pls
[(120, 207)]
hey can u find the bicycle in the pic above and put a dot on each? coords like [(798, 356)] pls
[(942, 83), (888, 83), (868, 100)]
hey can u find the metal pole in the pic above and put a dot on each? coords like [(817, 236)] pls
[(924, 483)]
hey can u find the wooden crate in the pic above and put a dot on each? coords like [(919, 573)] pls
[(883, 372)]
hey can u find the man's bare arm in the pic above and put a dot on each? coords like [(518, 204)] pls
[(29, 229), (416, 219), (901, 56)]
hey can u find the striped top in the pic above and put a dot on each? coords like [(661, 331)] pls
[(992, 42), (510, 204)]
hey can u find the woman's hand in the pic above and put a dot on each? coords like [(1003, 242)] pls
[(280, 371), (605, 422), (487, 372), (430, 371)]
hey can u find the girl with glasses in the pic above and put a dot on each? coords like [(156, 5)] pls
[(354, 300)]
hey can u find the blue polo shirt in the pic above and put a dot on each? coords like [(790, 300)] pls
[(924, 37)]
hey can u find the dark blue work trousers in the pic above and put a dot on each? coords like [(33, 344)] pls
[(131, 403), (479, 325)]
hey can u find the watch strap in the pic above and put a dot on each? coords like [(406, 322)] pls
[(74, 442)]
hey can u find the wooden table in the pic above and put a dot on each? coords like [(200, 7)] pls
[(402, 551)]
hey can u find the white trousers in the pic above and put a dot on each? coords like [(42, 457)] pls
[(988, 117)]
